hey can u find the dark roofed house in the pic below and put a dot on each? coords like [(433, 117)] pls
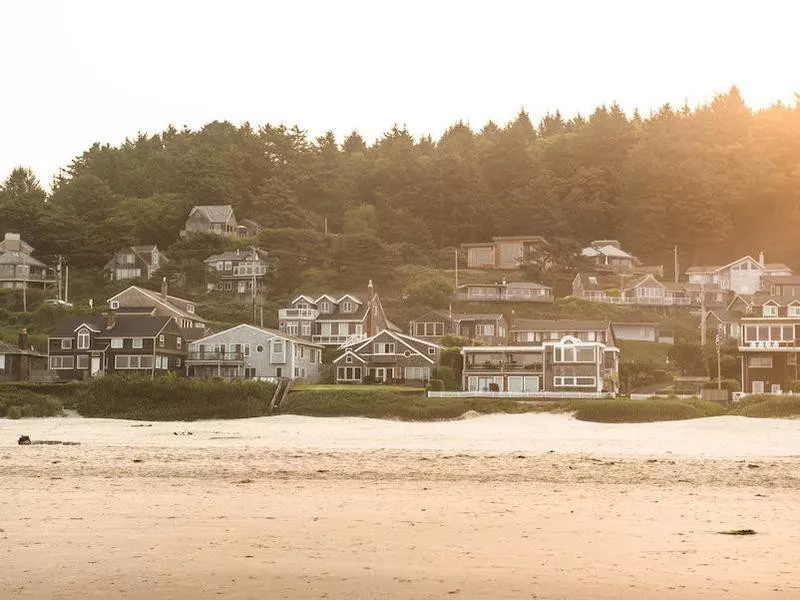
[(138, 299), (434, 324), (238, 271), (134, 262), (85, 346), (21, 362)]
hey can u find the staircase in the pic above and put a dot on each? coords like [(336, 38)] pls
[(281, 391)]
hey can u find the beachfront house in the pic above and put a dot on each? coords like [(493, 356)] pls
[(546, 357), (250, 352), (21, 362), (435, 324)]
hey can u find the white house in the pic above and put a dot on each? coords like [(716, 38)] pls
[(742, 276)]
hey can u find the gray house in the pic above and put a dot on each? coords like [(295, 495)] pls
[(217, 218), (388, 356), (247, 351)]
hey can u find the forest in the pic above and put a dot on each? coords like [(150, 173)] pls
[(719, 180)]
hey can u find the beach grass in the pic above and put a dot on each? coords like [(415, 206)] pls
[(331, 387), (621, 410), (16, 403), (768, 406), (384, 404)]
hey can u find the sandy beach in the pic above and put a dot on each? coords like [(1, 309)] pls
[(501, 506)]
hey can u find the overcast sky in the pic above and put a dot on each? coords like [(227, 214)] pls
[(77, 72)]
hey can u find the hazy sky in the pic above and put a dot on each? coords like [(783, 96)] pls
[(77, 72)]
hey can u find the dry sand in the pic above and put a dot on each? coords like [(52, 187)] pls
[(522, 506)]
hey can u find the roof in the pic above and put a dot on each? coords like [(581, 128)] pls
[(236, 255), (68, 326), (521, 238), (607, 250), (215, 213), (336, 297), (136, 326), (760, 299), (782, 279), (559, 325), (273, 332), (713, 269), (19, 258), (405, 339), (345, 316), (635, 324), (6, 348), (725, 316), (477, 317), (511, 284), (156, 297)]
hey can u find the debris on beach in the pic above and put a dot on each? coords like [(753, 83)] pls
[(738, 532), (25, 440)]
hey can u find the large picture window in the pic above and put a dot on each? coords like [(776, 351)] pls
[(62, 362), (572, 354), (123, 361)]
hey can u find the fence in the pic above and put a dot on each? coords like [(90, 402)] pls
[(523, 395)]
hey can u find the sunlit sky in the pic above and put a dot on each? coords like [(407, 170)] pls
[(79, 72)]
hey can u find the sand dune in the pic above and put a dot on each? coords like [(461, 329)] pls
[(523, 506)]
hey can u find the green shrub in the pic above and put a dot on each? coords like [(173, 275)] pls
[(436, 385), (14, 412), (173, 399), (16, 402), (732, 385), (618, 410), (768, 406)]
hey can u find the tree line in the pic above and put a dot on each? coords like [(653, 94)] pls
[(718, 181)]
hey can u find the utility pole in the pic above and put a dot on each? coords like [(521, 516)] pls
[(675, 260), (703, 314), (66, 286), (58, 274), (719, 363), (455, 253), (253, 284), (24, 282)]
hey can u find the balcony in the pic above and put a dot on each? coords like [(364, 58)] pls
[(338, 340), (466, 296), (641, 301), (298, 313), (768, 345), (212, 356)]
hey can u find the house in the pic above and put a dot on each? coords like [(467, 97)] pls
[(781, 285), (239, 271), (608, 254), (387, 356), (644, 290), (18, 269), (768, 345), (21, 362), (247, 351), (515, 291), (248, 228), (135, 262), (433, 325), (218, 219), (636, 331), (546, 356), (723, 323), (502, 252), (742, 276), (87, 346), (139, 300), (331, 319)]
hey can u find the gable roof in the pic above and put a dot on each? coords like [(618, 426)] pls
[(606, 250), (136, 326), (406, 340), (559, 325), (7, 348), (68, 326), (724, 315), (272, 332), (13, 257), (238, 255), (348, 352), (782, 279), (713, 269), (215, 213), (171, 303)]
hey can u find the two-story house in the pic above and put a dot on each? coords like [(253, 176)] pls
[(134, 262), (242, 272), (781, 285), (139, 300), (502, 252), (18, 269), (87, 346), (388, 356), (333, 319), (545, 357), (514, 291), (769, 343), (435, 324), (247, 351), (742, 276), (218, 218)]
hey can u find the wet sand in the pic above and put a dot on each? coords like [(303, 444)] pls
[(524, 506)]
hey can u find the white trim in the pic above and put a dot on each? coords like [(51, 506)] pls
[(348, 352)]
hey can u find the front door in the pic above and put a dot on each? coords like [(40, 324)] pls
[(758, 387), (95, 366)]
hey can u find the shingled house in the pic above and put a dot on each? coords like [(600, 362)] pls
[(386, 357), (21, 362), (218, 218), (135, 262)]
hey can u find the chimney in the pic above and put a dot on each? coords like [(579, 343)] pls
[(164, 289), (12, 242), (22, 339), (370, 289), (761, 258)]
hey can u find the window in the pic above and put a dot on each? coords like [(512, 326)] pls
[(161, 341), (759, 362), (123, 361), (138, 342), (62, 362), (348, 373), (348, 307), (66, 344), (305, 328), (312, 356), (574, 354), (325, 307), (348, 359), (114, 304), (574, 381), (190, 308), (259, 348), (485, 330), (84, 340), (384, 348), (116, 342), (418, 373), (178, 342), (770, 310), (432, 351), (794, 311)]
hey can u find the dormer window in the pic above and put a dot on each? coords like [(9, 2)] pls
[(114, 304), (325, 307), (348, 307), (84, 340), (190, 308), (770, 310), (794, 310)]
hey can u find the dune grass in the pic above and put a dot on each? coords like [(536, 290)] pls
[(332, 387), (768, 406), (392, 405), (16, 403), (621, 410)]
